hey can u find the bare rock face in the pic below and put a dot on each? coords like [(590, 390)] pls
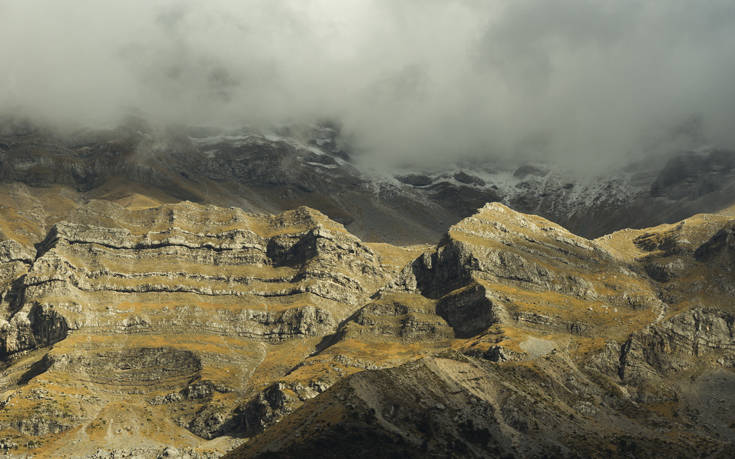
[(35, 326), (562, 346), (500, 266), (174, 306), (275, 402), (721, 245), (650, 357), (471, 310), (398, 319), (82, 264), (136, 328)]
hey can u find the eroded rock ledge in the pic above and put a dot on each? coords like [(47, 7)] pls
[(182, 324)]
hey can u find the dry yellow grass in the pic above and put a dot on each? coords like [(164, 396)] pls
[(397, 256)]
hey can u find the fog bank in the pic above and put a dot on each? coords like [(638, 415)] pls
[(580, 83)]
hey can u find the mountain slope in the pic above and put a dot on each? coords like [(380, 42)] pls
[(314, 166), (173, 309), (571, 348), (131, 323)]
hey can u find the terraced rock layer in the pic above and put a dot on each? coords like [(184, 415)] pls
[(130, 326), (171, 309), (563, 347)]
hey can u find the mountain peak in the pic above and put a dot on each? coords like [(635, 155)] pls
[(223, 322)]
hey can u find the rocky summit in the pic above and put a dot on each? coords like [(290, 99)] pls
[(271, 171), (135, 327)]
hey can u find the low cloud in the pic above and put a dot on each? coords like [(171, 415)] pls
[(581, 83)]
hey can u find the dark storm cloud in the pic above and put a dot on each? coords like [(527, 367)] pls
[(585, 83)]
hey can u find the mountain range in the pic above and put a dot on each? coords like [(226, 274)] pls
[(193, 292)]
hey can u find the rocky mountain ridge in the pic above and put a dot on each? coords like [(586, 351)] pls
[(276, 170), (569, 351), (135, 327)]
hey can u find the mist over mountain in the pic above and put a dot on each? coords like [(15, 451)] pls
[(280, 228), (576, 83)]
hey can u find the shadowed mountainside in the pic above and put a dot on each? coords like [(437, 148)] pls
[(315, 166)]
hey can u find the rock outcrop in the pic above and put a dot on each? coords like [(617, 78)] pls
[(562, 347), (139, 303), (128, 326)]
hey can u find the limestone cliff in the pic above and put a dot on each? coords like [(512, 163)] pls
[(562, 346), (172, 310), (129, 326)]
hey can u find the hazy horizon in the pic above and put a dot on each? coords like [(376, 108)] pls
[(578, 83)]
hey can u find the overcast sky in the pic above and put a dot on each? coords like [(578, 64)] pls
[(582, 83)]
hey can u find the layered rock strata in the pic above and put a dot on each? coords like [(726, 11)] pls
[(145, 327)]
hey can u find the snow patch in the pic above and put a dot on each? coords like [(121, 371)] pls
[(326, 166)]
